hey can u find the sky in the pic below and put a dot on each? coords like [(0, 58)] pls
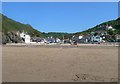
[(61, 16)]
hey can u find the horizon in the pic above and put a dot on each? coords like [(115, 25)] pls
[(67, 17)]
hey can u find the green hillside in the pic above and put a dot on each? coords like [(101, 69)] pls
[(9, 25), (60, 35), (114, 23)]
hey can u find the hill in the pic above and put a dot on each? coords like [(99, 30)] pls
[(10, 28), (9, 25), (114, 23), (60, 35)]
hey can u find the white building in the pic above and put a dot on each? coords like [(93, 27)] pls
[(96, 39), (80, 37), (110, 28), (26, 37), (58, 40)]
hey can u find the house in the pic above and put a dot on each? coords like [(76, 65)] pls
[(45, 40), (81, 38), (110, 28), (85, 39), (26, 38), (50, 40), (58, 40), (37, 39), (96, 39), (117, 38), (75, 38)]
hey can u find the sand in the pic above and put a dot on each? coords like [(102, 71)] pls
[(77, 64)]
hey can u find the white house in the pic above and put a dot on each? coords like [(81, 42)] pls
[(80, 37), (110, 27), (58, 40), (26, 37), (96, 39)]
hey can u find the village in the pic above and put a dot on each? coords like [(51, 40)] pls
[(60, 42), (97, 37)]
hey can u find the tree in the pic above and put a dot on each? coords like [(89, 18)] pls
[(110, 32)]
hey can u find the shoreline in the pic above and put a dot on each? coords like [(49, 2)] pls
[(59, 45)]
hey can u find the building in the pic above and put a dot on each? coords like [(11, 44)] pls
[(117, 38), (110, 28), (26, 38), (85, 39), (96, 39), (81, 38), (58, 40)]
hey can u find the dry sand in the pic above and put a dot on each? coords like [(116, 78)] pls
[(40, 64)]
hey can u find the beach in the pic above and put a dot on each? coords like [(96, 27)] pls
[(59, 63)]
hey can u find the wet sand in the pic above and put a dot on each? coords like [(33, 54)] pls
[(76, 64)]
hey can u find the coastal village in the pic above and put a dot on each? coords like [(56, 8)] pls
[(60, 42), (97, 37), (15, 33)]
